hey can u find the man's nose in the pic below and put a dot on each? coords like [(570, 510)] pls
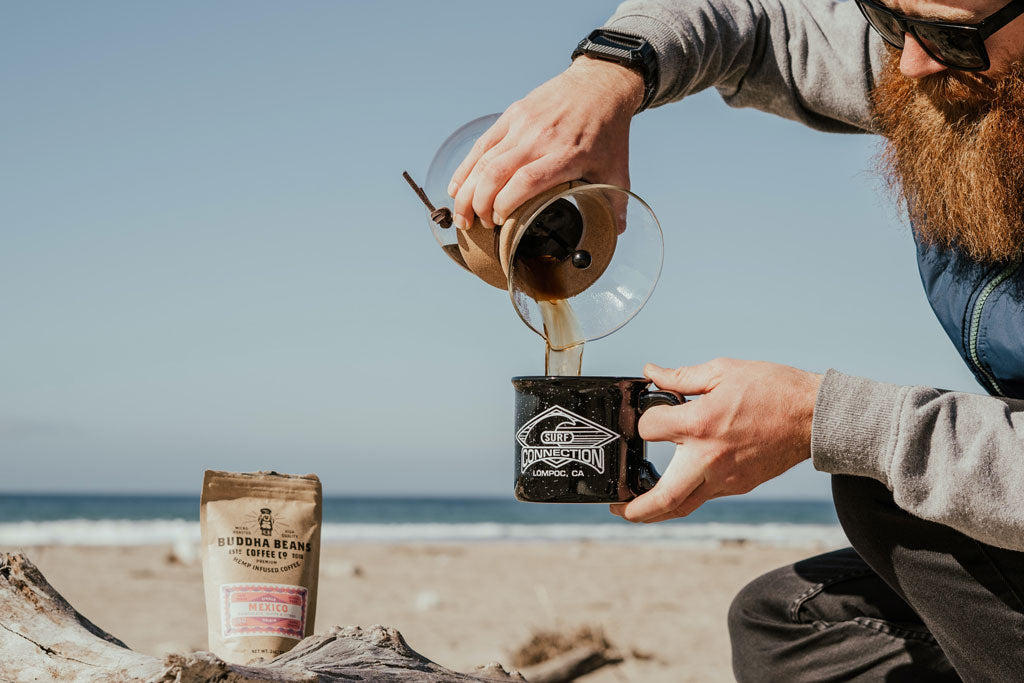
[(915, 62)]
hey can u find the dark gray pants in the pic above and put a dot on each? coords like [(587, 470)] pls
[(911, 601)]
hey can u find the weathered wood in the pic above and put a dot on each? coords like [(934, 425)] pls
[(571, 665), (43, 638)]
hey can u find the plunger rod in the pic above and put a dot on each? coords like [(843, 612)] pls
[(442, 216)]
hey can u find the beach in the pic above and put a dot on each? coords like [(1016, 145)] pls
[(662, 606)]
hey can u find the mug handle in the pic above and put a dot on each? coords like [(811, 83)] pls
[(648, 399)]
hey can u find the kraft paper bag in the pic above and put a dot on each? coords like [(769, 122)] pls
[(261, 560)]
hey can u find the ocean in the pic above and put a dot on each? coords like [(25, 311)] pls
[(35, 519)]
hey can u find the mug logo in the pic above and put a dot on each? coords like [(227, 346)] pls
[(559, 437)]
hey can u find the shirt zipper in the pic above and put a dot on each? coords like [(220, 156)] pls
[(979, 305)]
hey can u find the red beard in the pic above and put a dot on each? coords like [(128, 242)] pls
[(954, 156)]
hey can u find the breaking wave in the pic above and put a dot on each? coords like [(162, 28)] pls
[(114, 532)]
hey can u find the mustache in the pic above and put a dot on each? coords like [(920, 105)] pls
[(959, 90), (960, 96)]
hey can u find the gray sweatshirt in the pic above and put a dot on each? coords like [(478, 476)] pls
[(953, 458)]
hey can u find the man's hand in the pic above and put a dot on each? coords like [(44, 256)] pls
[(750, 423), (574, 126)]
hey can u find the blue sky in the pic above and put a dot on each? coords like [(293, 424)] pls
[(209, 258)]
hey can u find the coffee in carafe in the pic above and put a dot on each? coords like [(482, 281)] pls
[(546, 259)]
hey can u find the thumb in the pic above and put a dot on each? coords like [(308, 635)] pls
[(619, 201), (688, 380)]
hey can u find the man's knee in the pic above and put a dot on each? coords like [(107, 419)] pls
[(759, 603), (773, 620), (757, 617)]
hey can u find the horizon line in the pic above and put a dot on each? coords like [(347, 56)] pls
[(379, 495)]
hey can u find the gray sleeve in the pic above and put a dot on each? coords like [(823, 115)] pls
[(949, 457), (812, 61)]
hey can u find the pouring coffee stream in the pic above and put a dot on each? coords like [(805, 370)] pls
[(563, 352)]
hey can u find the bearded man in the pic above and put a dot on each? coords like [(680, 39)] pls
[(928, 484)]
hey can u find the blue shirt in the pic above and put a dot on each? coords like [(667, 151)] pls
[(981, 307)]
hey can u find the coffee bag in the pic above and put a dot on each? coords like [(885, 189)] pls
[(261, 559)]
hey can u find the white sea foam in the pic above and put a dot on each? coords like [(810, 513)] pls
[(180, 533), (99, 532)]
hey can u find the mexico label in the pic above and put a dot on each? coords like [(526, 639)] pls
[(261, 609)]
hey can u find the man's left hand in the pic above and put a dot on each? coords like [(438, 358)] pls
[(750, 422)]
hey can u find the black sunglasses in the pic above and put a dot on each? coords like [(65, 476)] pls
[(958, 46)]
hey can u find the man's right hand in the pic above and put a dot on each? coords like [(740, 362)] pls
[(574, 126)]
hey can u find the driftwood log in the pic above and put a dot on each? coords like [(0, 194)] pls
[(571, 665), (43, 638)]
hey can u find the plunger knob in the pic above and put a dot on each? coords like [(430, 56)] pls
[(581, 259)]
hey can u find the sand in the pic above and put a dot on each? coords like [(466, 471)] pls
[(463, 605)]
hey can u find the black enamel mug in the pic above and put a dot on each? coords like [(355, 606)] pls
[(577, 441)]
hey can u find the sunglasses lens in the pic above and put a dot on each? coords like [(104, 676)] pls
[(957, 48), (886, 24)]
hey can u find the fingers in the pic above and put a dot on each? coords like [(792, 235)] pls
[(682, 477), (529, 181), (669, 423), (700, 495), (687, 380), (476, 195), (492, 181), (489, 139)]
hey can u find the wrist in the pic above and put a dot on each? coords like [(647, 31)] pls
[(626, 84), (797, 393), (813, 386)]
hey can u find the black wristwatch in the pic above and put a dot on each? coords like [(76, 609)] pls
[(628, 50)]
